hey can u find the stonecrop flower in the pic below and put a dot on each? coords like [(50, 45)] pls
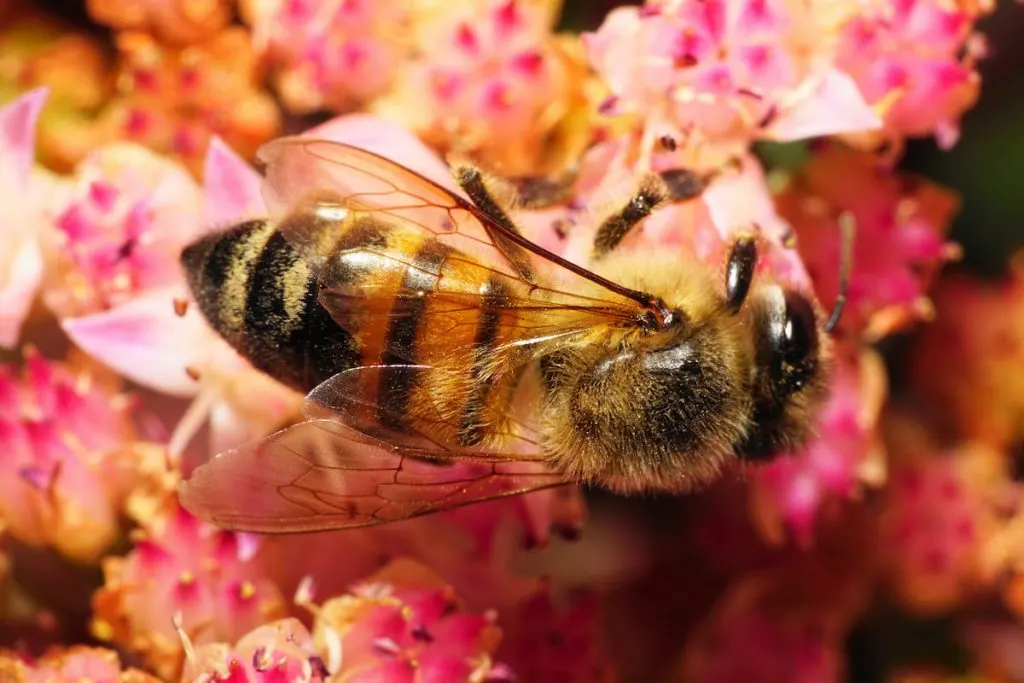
[(405, 624), (63, 475), (181, 566), (333, 54), (173, 99), (132, 131), (845, 454), (281, 650), (900, 241), (717, 75), (914, 61), (978, 340), (492, 81), (784, 637), (130, 213), (70, 665), (941, 511), (118, 287)]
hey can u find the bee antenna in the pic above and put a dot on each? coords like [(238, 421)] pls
[(848, 229)]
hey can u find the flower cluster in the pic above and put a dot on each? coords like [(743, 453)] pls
[(781, 119)]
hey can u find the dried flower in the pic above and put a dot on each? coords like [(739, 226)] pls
[(718, 75), (181, 565), (900, 245), (844, 455), (61, 429), (70, 665)]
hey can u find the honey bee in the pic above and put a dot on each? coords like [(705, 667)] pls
[(448, 360)]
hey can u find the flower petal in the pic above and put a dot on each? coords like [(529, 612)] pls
[(145, 340), (231, 187), (18, 290), (836, 106), (18, 131)]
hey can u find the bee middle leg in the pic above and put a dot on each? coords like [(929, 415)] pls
[(652, 192), (473, 183)]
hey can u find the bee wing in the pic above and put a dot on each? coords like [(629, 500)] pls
[(354, 398), (320, 475), (298, 169)]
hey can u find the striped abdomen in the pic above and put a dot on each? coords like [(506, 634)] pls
[(401, 298)]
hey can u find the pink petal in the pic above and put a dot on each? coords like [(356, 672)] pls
[(231, 187), (145, 340), (836, 106), (18, 131), (389, 140), (24, 273)]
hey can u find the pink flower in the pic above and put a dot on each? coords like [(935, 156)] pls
[(939, 520), (546, 642), (71, 665), (782, 639), (119, 234), (181, 565), (900, 244), (21, 260), (908, 59), (405, 624), (722, 74), (62, 435), (282, 650), (134, 322), (492, 81), (845, 454), (331, 55), (978, 337)]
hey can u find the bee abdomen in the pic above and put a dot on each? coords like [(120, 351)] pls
[(259, 294)]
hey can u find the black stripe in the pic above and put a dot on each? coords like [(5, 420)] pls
[(471, 427), (208, 262), (400, 339), (268, 330)]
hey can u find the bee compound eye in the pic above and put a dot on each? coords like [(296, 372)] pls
[(799, 338)]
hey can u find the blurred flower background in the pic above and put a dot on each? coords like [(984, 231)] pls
[(890, 549)]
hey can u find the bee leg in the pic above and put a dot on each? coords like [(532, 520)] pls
[(652, 192), (472, 182), (739, 270)]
